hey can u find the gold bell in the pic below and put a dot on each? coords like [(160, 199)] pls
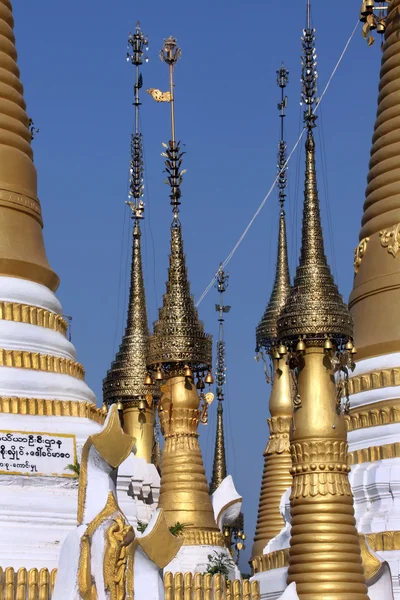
[(373, 24), (354, 350), (349, 346), (159, 374), (209, 378), (328, 344), (142, 404), (282, 350), (148, 380), (188, 372), (301, 347), (120, 406), (381, 27), (276, 355)]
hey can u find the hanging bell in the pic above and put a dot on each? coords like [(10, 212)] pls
[(148, 380), (276, 355), (200, 384), (328, 344), (349, 346), (120, 406), (301, 347), (104, 408), (282, 350), (354, 350), (209, 378), (367, 7), (381, 27), (142, 404), (159, 374), (373, 24), (188, 372)]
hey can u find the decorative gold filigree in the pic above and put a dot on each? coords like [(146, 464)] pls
[(374, 453), (384, 541), (118, 559), (374, 380), (32, 315), (179, 334), (49, 408), (22, 359), (315, 307), (371, 563), (390, 239), (279, 435), (372, 415), (272, 560), (125, 379), (267, 330), (207, 586), (359, 253)]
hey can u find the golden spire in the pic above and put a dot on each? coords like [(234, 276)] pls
[(266, 332), (277, 461), (178, 349), (219, 464), (323, 524), (22, 251), (125, 380), (376, 288)]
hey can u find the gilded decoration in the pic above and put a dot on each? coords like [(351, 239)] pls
[(371, 563), (374, 380), (279, 435), (372, 415), (384, 541), (374, 453), (22, 359), (26, 583), (21, 202), (32, 315), (179, 335), (273, 560), (359, 253), (45, 407), (390, 239)]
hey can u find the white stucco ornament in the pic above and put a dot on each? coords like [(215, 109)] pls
[(104, 557)]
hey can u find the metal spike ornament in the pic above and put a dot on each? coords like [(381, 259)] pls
[(178, 350), (314, 324), (125, 382), (137, 43), (266, 332)]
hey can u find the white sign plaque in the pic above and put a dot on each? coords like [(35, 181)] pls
[(34, 453)]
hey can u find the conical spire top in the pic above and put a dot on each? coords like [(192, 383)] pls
[(178, 337), (125, 380), (22, 251), (314, 309), (266, 332)]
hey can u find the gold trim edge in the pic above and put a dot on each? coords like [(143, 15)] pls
[(32, 315), (51, 408), (23, 359)]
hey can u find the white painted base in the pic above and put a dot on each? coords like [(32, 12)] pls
[(272, 583)]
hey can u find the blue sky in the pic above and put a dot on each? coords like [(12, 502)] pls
[(78, 88)]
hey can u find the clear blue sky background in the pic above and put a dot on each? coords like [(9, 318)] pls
[(78, 88)]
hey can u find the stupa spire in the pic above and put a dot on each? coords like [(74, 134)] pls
[(22, 251), (178, 350), (277, 461), (125, 381), (376, 287), (322, 513), (219, 471)]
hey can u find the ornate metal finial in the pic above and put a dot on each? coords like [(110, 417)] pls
[(170, 54), (179, 340), (137, 42), (282, 80), (373, 18), (309, 73), (222, 284), (314, 309), (219, 471), (266, 332)]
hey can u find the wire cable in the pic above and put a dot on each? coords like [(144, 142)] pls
[(261, 206)]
